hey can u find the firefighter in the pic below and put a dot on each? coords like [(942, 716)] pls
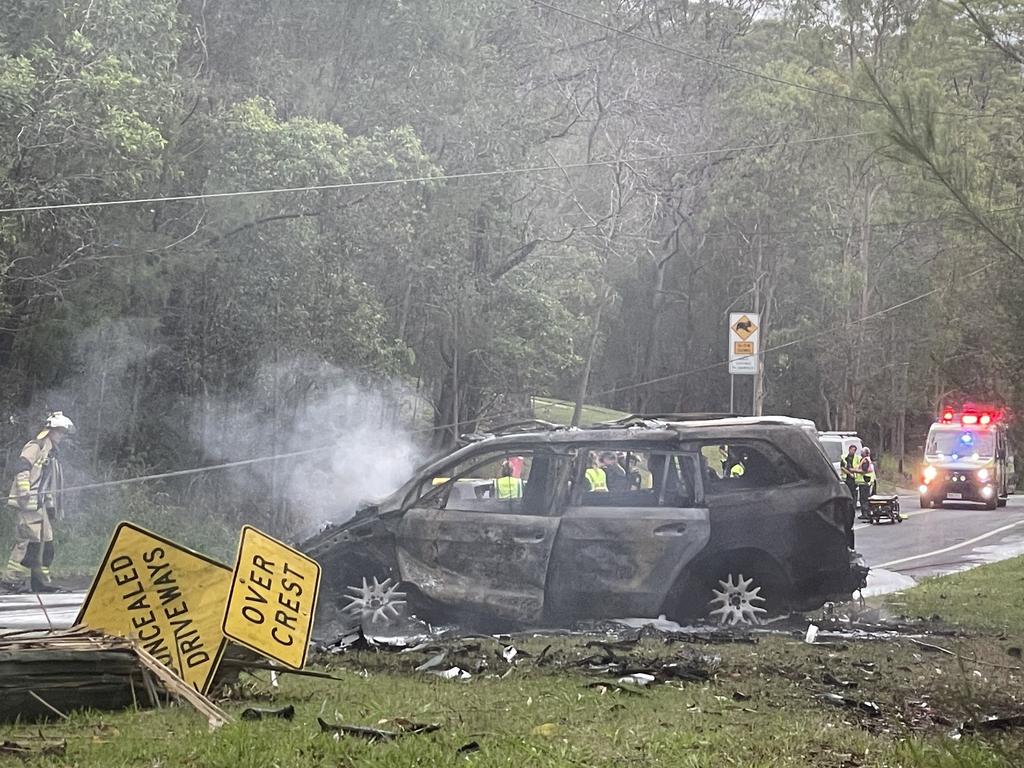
[(36, 499)]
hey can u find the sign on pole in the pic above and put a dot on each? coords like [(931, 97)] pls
[(169, 598), (744, 342), (273, 598)]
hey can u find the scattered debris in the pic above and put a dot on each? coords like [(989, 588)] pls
[(285, 713), (455, 673), (48, 674), (604, 687), (46, 749), (993, 724), (812, 633), (829, 679), (177, 687), (869, 707), (932, 648), (638, 678), (433, 662), (466, 749), (687, 665), (405, 728)]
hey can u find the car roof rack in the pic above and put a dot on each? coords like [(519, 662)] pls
[(640, 418), (511, 428)]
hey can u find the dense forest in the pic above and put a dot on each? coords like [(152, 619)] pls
[(249, 228)]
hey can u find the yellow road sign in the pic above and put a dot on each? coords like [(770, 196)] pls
[(743, 347), (170, 598), (744, 328), (273, 598)]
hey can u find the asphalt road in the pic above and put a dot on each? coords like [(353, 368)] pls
[(936, 541)]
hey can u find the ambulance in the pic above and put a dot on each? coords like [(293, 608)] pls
[(966, 459)]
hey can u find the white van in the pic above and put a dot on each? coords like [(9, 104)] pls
[(836, 445)]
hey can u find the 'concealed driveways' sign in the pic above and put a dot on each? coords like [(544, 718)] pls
[(273, 598), (170, 598)]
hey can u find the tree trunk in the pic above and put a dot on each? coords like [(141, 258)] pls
[(581, 391)]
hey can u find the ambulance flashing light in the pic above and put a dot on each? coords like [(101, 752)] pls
[(970, 418)]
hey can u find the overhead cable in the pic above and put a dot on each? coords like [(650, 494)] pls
[(556, 168), (456, 425)]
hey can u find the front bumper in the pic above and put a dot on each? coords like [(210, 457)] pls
[(958, 489)]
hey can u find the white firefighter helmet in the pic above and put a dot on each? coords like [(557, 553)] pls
[(57, 420)]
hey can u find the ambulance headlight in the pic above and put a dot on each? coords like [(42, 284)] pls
[(929, 473), (984, 475)]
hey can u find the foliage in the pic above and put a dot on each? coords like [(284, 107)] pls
[(851, 171)]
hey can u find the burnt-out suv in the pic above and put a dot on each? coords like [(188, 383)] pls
[(725, 520)]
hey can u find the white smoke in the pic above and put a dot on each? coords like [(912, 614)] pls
[(359, 447)]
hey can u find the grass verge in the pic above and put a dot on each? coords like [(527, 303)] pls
[(560, 412), (989, 597), (883, 701), (769, 704)]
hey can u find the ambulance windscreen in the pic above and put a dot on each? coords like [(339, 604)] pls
[(961, 444)]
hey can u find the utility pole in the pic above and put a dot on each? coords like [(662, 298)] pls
[(581, 390)]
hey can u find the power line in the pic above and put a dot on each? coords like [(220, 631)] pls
[(890, 224), (440, 177), (456, 425), (793, 342), (732, 67)]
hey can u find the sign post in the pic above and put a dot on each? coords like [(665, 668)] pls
[(169, 598), (744, 348), (273, 598)]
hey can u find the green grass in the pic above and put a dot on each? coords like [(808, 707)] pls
[(762, 708), (560, 412), (547, 716), (989, 597), (889, 477)]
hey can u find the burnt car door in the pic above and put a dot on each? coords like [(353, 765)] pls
[(481, 534), (621, 547)]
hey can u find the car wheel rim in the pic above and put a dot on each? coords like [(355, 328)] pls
[(376, 601), (737, 602)]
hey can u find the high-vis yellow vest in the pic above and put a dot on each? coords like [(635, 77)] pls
[(509, 487), (597, 480)]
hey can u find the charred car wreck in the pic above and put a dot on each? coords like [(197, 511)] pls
[(725, 520)]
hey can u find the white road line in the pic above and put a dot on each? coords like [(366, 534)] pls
[(942, 551)]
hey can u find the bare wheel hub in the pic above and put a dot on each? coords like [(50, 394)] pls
[(376, 601), (735, 602)]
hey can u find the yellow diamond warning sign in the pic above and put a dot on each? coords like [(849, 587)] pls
[(169, 598), (744, 327), (744, 343), (273, 598)]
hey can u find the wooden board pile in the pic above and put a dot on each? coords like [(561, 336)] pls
[(46, 675)]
